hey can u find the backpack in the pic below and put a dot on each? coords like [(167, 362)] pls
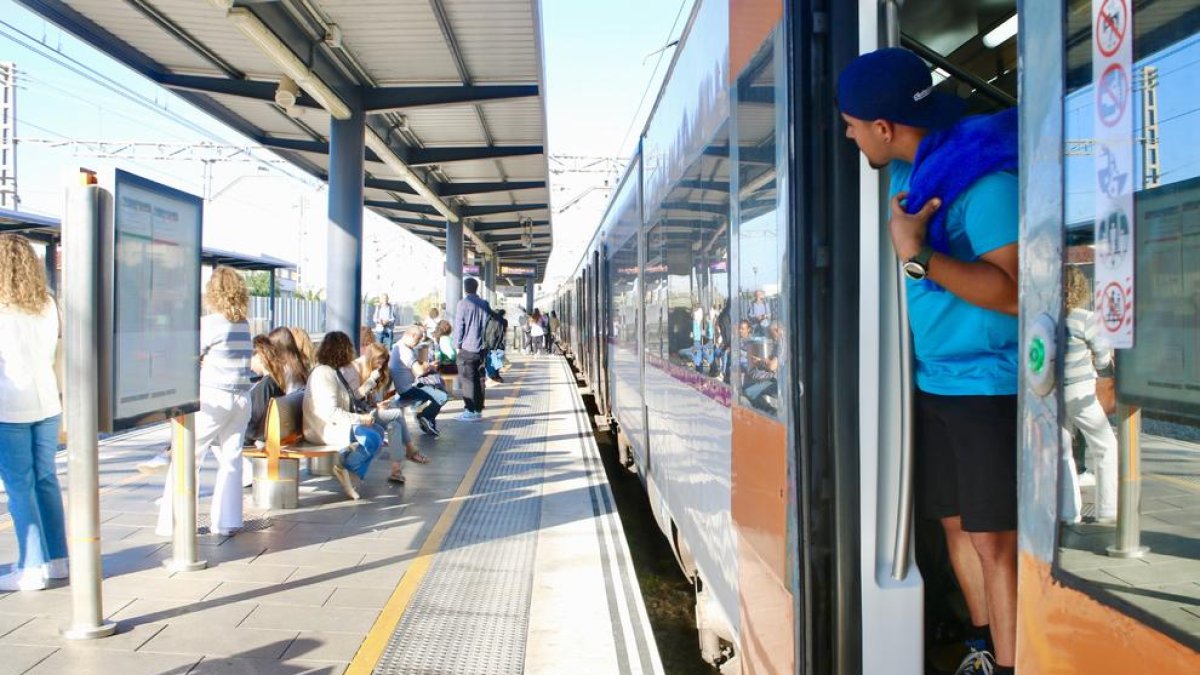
[(493, 333)]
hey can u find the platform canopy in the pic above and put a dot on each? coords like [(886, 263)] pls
[(452, 91)]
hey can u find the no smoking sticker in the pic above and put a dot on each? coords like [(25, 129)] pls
[(1111, 26)]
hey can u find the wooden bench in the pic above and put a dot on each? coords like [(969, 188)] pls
[(277, 465)]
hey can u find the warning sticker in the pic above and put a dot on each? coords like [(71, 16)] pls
[(1112, 25), (1112, 67)]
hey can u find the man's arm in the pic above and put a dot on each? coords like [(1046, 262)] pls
[(990, 282)]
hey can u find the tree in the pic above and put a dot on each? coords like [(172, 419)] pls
[(258, 284)]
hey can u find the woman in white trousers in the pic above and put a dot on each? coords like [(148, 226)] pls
[(225, 353)]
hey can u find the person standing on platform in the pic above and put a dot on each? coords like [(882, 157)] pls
[(472, 316), (431, 322), (493, 337), (385, 320), (225, 380), (954, 227), (30, 415)]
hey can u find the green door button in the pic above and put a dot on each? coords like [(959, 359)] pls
[(1040, 337), (1037, 354)]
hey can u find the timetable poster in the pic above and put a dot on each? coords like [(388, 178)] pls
[(157, 299), (1162, 371)]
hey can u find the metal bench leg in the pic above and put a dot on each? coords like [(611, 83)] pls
[(283, 493)]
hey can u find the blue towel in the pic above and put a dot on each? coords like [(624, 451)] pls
[(949, 162)]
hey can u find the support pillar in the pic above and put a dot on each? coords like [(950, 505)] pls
[(271, 299), (343, 269), (529, 297), (51, 263), (454, 268), (493, 296)]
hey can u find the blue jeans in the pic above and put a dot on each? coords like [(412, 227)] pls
[(358, 459), (414, 396), (34, 495), (495, 361)]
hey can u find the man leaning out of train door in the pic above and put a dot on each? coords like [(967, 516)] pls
[(953, 224)]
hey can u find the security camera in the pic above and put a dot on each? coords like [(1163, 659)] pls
[(287, 94)]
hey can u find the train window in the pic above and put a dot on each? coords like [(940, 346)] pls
[(762, 236), (1129, 497)]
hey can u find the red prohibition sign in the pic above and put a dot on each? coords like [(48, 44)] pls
[(1116, 22), (1112, 94), (1115, 307)]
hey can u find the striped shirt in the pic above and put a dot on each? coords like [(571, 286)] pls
[(225, 351), (1086, 350)]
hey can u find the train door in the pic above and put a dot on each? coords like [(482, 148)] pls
[(908, 601), (1110, 317)]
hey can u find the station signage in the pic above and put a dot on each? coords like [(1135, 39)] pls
[(517, 271), (1112, 64), (471, 270)]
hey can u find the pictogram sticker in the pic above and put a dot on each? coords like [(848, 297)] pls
[(1115, 305), (1112, 95), (1111, 27)]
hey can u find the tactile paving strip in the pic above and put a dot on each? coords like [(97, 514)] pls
[(470, 615)]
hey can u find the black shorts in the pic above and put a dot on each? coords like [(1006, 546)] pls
[(966, 459)]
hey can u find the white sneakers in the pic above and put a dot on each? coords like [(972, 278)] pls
[(56, 569), (468, 416)]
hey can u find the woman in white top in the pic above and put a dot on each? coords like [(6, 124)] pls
[(225, 352), (329, 414), (30, 414), (537, 331)]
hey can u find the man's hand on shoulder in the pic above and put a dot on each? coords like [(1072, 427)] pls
[(908, 230)]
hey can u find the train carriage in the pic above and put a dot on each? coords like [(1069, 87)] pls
[(737, 315)]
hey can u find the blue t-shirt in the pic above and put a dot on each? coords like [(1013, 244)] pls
[(963, 349)]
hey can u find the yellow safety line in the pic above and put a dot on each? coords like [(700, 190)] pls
[(376, 641), (1175, 481)]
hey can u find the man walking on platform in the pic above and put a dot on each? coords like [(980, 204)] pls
[(469, 324), (954, 227), (385, 320)]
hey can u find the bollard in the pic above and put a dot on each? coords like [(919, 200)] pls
[(1129, 489), (83, 305), (183, 472)]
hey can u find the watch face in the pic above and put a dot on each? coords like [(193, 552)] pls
[(914, 270)]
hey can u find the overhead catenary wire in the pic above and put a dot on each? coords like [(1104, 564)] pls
[(668, 44)]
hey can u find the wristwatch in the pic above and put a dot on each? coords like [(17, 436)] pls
[(917, 267)]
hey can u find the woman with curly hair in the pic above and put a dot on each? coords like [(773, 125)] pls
[(1086, 353), (225, 353), (331, 415), (30, 414)]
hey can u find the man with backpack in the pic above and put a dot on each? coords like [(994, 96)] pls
[(493, 338)]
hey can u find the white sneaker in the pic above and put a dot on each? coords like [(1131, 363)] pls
[(156, 464), (29, 579), (1087, 479), (56, 569), (468, 416)]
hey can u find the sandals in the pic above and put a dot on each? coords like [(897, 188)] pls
[(416, 456)]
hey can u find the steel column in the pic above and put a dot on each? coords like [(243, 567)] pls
[(86, 303), (344, 256), (529, 297), (454, 267), (184, 547), (271, 299)]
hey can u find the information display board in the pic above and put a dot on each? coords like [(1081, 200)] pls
[(1162, 371), (156, 303)]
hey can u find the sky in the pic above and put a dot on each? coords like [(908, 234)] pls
[(603, 59)]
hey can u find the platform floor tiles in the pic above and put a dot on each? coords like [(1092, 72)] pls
[(503, 555)]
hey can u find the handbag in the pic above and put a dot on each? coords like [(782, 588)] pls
[(358, 404)]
